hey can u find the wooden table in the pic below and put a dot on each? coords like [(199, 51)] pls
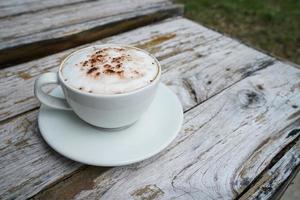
[(241, 125), (35, 28)]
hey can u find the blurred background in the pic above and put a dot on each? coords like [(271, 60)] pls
[(270, 25)]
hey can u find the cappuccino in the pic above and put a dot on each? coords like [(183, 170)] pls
[(109, 69)]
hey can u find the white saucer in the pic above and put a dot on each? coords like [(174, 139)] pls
[(79, 141)]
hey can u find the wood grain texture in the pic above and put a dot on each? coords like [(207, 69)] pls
[(43, 32), (17, 7), (189, 53), (244, 122), (63, 17), (26, 160), (275, 176), (225, 143)]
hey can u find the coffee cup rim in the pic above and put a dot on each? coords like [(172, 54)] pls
[(153, 82)]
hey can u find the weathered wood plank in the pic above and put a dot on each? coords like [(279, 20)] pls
[(23, 149), (17, 7), (41, 33), (284, 189), (275, 176), (218, 62), (37, 22), (185, 49), (225, 143)]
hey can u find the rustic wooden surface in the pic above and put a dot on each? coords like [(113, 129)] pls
[(275, 176), (238, 138), (184, 49), (17, 7), (46, 30)]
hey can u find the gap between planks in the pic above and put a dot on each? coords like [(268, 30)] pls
[(289, 157)]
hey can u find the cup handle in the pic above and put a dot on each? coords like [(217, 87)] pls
[(51, 101)]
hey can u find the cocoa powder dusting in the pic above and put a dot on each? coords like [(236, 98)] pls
[(109, 71), (121, 74), (99, 62), (107, 66), (94, 60), (118, 66), (91, 70), (118, 59), (85, 63)]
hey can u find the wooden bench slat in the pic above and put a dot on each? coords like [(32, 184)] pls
[(41, 33), (196, 61), (275, 176), (37, 22), (184, 48), (17, 7), (24, 158)]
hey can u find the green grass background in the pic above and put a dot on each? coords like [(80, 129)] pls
[(271, 25)]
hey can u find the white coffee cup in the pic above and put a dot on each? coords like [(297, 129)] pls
[(101, 110)]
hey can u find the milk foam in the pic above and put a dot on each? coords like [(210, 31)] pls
[(109, 69)]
